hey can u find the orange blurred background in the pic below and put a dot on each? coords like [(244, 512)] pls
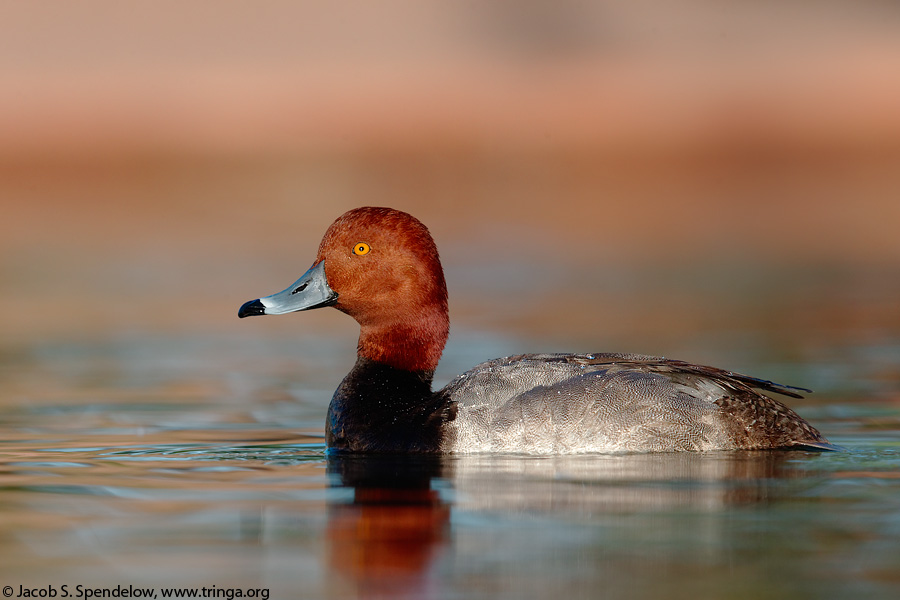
[(616, 172)]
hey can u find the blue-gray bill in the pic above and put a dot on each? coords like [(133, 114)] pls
[(308, 292)]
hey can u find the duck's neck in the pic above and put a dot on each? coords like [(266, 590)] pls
[(381, 408), (413, 343)]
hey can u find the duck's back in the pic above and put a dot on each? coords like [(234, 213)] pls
[(562, 403)]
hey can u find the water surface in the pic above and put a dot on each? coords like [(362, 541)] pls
[(137, 462)]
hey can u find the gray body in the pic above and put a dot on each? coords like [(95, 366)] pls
[(579, 403)]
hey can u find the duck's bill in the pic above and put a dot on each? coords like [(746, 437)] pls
[(308, 292)]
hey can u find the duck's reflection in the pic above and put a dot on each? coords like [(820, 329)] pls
[(383, 543), (614, 483)]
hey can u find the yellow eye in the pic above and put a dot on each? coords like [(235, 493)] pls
[(361, 248)]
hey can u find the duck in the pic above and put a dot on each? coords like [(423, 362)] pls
[(381, 267)]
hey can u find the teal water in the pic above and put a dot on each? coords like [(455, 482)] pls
[(167, 461)]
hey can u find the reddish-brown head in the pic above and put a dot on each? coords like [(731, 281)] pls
[(381, 267), (384, 267)]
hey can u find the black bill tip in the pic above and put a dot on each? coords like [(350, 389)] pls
[(252, 308)]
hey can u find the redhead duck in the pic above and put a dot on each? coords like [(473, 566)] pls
[(381, 267)]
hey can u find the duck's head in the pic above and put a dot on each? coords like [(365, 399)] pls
[(381, 267)]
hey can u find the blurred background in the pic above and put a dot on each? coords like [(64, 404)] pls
[(714, 181)]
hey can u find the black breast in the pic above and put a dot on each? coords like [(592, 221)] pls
[(378, 408)]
